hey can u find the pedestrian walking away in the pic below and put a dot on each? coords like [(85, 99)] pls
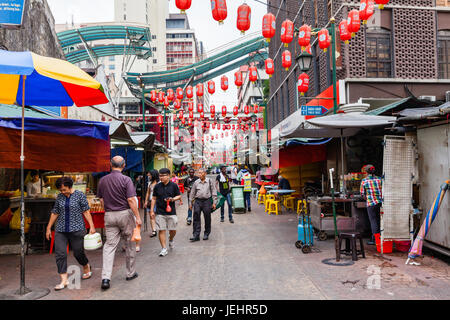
[(117, 193), (68, 211), (234, 173), (371, 187), (246, 180), (203, 196), (188, 186), (223, 185), (164, 196), (154, 179)]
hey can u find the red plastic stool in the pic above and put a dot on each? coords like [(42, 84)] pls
[(52, 243)]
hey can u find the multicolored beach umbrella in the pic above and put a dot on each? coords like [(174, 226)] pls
[(416, 248), (48, 82)]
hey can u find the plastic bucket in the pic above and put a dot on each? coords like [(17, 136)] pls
[(387, 245), (402, 246)]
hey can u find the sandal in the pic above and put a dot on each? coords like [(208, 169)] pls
[(138, 249), (87, 275), (153, 234), (61, 286)]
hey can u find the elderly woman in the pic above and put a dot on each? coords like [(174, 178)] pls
[(70, 206)]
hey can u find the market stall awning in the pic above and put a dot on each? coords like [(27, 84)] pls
[(294, 125), (118, 130), (13, 111), (56, 144), (351, 120)]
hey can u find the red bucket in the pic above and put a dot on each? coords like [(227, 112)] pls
[(387, 245), (402, 246)]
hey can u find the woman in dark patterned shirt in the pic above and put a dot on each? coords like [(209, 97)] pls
[(70, 206)]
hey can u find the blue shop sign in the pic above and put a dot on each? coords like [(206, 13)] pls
[(313, 110), (11, 12)]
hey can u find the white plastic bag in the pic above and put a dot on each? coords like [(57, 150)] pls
[(92, 241)]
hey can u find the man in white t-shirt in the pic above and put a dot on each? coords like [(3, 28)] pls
[(234, 173)]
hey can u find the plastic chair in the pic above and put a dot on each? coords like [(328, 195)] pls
[(274, 207), (290, 203), (261, 198), (302, 207), (52, 243), (267, 199)]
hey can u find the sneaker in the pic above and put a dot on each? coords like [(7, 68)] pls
[(222, 220), (231, 221), (171, 245), (163, 252)]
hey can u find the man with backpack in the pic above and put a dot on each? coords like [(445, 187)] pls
[(223, 185)]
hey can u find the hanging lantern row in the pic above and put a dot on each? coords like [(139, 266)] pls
[(243, 18)]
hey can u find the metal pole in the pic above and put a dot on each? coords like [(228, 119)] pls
[(22, 289), (143, 110), (336, 237), (333, 55)]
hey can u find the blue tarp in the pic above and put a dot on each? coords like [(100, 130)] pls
[(80, 128), (133, 158)]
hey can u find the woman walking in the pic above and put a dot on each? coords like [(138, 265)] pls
[(154, 179), (70, 206)]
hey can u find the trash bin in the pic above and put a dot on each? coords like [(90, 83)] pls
[(237, 199)]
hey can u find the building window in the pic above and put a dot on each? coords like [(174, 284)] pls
[(378, 53), (154, 49), (112, 67), (444, 54), (153, 37), (155, 61), (124, 17), (112, 58)]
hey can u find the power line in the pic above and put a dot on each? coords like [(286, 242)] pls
[(275, 7)]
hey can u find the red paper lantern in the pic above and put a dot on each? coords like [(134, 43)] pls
[(183, 121), (219, 10), (268, 26), (200, 90), (159, 120), (224, 111), (234, 127), (207, 124), (255, 108), (270, 70), (253, 74), (287, 32), (180, 94), (190, 122), (286, 59), (177, 104), (243, 18), (324, 39), (190, 106), (202, 115), (303, 83), (183, 5), (170, 95), (304, 36), (166, 101), (366, 10), (189, 92), (191, 114), (161, 96), (246, 109), (214, 125), (211, 87), (153, 95), (200, 107), (235, 111), (174, 117), (218, 126), (343, 31), (238, 79), (224, 83), (253, 127), (353, 21), (381, 3), (180, 114)]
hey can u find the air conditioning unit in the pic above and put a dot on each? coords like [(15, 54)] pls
[(447, 96), (429, 98)]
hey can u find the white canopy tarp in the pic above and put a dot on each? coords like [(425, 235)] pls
[(351, 120)]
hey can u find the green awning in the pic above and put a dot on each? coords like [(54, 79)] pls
[(13, 111), (378, 111)]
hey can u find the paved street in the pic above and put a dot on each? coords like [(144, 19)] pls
[(255, 258)]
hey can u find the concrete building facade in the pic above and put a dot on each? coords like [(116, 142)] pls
[(402, 51)]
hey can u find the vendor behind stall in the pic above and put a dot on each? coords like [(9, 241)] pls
[(371, 190), (283, 183), (34, 184)]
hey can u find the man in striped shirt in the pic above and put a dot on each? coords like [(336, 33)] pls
[(371, 189)]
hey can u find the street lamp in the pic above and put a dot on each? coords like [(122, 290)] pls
[(304, 61)]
